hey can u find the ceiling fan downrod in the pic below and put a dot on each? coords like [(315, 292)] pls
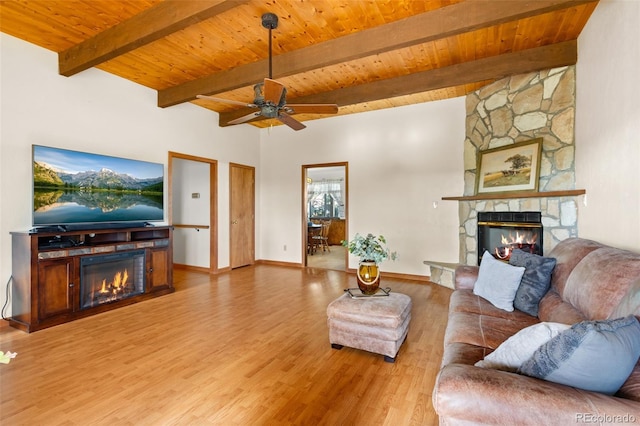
[(270, 22)]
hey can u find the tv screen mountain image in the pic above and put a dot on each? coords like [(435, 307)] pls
[(71, 187)]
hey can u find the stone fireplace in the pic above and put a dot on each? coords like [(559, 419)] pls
[(518, 108)]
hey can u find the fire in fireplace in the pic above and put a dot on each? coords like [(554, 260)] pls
[(500, 233), (111, 277)]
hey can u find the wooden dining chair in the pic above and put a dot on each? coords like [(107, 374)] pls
[(323, 238), (312, 239)]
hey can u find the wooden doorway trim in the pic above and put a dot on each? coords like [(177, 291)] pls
[(213, 204), (305, 167), (242, 216)]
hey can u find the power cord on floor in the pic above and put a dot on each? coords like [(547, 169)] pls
[(6, 302), (6, 357)]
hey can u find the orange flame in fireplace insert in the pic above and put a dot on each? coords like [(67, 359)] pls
[(116, 286), (523, 241)]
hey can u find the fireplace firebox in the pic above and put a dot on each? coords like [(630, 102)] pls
[(111, 277), (500, 233)]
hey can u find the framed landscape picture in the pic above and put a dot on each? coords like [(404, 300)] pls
[(509, 168)]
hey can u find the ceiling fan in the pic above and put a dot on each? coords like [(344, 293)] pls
[(271, 95)]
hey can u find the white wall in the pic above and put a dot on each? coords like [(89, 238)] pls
[(608, 124), (401, 161), (96, 112)]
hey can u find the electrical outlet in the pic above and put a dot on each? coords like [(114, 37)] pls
[(285, 247)]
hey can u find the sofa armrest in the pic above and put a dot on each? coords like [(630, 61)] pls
[(472, 395), (465, 277)]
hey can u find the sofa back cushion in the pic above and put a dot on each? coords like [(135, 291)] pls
[(592, 278), (630, 302), (600, 280), (568, 253)]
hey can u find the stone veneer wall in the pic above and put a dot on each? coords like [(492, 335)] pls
[(516, 109)]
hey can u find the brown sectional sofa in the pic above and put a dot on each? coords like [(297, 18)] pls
[(591, 281)]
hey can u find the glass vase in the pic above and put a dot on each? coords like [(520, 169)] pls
[(368, 277)]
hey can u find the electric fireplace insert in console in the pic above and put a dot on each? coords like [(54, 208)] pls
[(111, 277)]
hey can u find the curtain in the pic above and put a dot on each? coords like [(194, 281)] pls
[(331, 187)]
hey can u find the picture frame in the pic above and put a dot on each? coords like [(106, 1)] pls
[(510, 168)]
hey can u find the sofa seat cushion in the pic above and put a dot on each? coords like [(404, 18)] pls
[(475, 321), (469, 395), (517, 349), (466, 301), (463, 353), (631, 388), (483, 330)]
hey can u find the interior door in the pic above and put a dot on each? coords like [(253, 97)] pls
[(242, 215)]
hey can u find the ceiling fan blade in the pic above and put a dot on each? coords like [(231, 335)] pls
[(226, 101), (290, 121), (312, 108), (245, 118), (273, 91)]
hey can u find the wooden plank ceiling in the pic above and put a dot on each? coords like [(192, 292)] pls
[(361, 55)]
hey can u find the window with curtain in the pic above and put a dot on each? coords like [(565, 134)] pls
[(325, 199)]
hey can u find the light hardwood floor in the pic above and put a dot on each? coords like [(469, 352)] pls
[(335, 258), (248, 347)]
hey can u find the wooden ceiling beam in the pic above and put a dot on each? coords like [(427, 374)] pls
[(438, 24), (495, 67), (154, 23)]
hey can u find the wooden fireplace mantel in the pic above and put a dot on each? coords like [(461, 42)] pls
[(512, 195)]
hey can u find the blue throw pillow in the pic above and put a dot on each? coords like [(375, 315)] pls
[(535, 281), (596, 356)]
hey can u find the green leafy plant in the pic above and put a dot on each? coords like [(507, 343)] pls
[(370, 248)]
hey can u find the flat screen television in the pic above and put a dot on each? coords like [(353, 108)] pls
[(75, 189)]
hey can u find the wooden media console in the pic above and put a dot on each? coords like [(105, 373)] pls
[(50, 286)]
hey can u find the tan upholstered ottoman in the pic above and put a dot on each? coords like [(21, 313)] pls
[(374, 324)]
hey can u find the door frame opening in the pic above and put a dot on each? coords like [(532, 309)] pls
[(212, 226), (305, 205)]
